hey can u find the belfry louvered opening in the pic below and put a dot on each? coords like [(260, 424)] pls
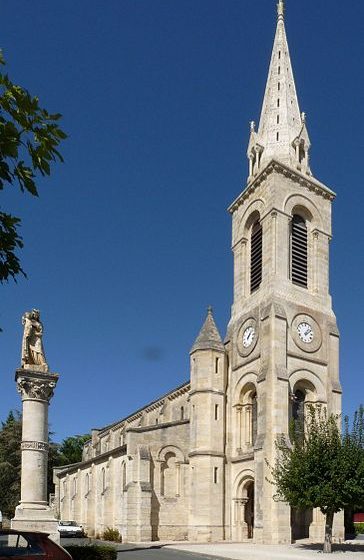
[(299, 251), (256, 253)]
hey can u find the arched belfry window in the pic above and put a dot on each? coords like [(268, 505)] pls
[(256, 256), (298, 413), (298, 406), (299, 251)]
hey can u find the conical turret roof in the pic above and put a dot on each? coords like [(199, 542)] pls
[(209, 337)]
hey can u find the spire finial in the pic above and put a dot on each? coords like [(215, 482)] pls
[(209, 310), (280, 10)]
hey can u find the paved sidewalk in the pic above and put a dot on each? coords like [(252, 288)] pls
[(246, 551)]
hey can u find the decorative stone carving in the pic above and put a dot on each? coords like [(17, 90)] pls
[(36, 445), (35, 388), (32, 355)]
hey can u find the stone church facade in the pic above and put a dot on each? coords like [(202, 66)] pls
[(193, 464)]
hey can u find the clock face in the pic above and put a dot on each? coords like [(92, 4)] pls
[(305, 332), (248, 336)]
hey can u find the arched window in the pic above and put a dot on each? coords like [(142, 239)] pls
[(247, 417), (299, 251), (298, 413), (170, 470), (256, 252)]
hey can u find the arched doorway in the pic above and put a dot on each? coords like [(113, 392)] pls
[(249, 509), (244, 510)]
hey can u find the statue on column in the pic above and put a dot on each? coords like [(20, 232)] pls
[(33, 356), (36, 385)]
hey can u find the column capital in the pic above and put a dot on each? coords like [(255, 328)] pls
[(35, 385)]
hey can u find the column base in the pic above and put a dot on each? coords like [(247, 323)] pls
[(36, 519)]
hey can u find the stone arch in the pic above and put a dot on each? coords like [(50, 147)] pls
[(245, 380), (246, 412), (254, 210), (171, 449), (303, 206), (170, 459), (310, 382), (305, 390), (243, 505)]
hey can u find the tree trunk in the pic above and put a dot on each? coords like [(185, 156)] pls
[(328, 531)]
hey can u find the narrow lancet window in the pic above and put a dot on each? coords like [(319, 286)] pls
[(299, 251), (298, 414), (256, 254)]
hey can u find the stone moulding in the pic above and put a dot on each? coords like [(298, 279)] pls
[(304, 181), (35, 445), (207, 452), (121, 424), (157, 426)]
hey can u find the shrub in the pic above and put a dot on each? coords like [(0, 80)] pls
[(92, 552), (359, 528), (111, 535)]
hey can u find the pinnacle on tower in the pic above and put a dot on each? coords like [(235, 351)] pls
[(209, 337), (280, 9), (282, 133)]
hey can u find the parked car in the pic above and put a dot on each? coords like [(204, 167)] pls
[(70, 529), (31, 545)]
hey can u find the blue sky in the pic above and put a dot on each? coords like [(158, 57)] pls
[(130, 239)]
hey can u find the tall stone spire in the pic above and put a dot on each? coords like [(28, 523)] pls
[(282, 133)]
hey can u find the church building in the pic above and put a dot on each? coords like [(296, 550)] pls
[(192, 465)]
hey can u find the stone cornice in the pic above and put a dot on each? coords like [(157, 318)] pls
[(35, 385), (248, 456), (139, 429), (208, 453), (69, 469), (306, 181), (213, 391), (158, 403)]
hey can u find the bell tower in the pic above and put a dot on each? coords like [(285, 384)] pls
[(282, 341)]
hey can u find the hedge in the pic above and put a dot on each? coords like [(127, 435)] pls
[(359, 528), (92, 552)]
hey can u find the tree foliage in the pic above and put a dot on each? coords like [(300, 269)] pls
[(319, 468), (10, 461), (29, 141), (70, 451)]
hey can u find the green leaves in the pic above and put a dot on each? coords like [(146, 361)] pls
[(319, 468), (10, 459), (9, 242), (29, 141), (70, 450)]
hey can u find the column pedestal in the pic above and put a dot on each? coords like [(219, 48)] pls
[(33, 512)]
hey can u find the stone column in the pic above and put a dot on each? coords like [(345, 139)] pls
[(33, 512)]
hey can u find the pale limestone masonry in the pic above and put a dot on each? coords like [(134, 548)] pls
[(33, 512), (193, 465)]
